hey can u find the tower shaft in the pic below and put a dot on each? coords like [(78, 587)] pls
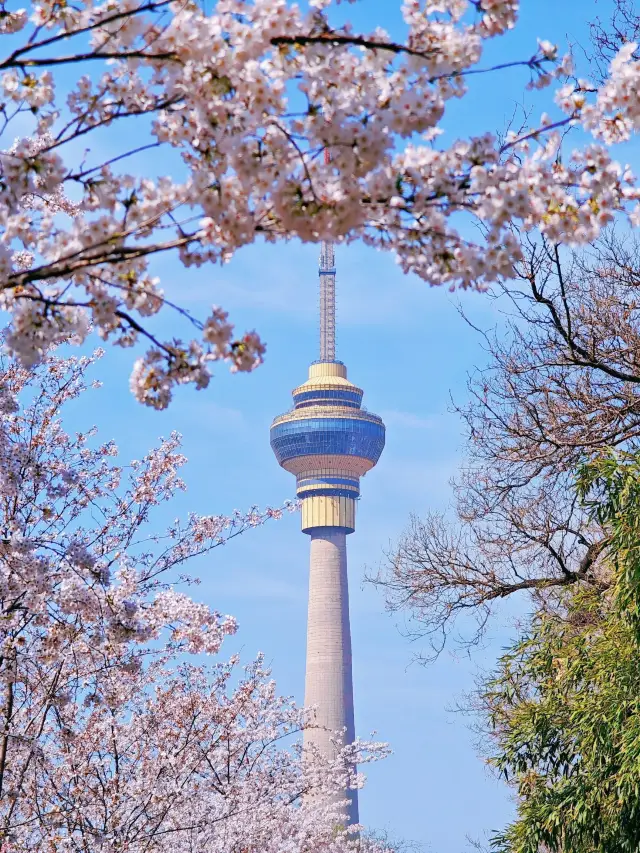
[(329, 680)]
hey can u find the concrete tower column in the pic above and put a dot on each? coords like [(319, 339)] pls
[(329, 680)]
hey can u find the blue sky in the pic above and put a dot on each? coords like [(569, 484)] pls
[(406, 345)]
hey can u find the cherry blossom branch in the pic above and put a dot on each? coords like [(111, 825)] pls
[(535, 134), (342, 39), (73, 58), (124, 15), (78, 176)]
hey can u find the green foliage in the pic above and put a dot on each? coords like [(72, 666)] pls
[(610, 488), (564, 705)]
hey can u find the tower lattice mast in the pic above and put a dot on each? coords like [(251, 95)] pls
[(327, 273)]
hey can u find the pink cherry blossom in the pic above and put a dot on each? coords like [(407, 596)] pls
[(243, 103)]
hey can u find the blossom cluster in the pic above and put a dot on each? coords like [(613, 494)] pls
[(51, 560), (247, 100)]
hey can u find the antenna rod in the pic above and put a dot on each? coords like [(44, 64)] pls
[(327, 273)]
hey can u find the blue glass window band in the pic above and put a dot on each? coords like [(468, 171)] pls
[(328, 481), (342, 403), (328, 394), (331, 493), (338, 486), (328, 436)]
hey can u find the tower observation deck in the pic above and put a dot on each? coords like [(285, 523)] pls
[(328, 441)]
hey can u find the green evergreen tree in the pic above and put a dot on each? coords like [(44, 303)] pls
[(564, 704)]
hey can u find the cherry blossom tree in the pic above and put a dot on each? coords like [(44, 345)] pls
[(113, 736), (242, 104)]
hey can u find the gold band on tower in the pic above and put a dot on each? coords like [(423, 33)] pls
[(328, 511)]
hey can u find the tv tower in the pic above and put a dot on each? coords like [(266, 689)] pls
[(328, 441)]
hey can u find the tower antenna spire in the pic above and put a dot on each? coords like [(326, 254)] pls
[(327, 275)]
